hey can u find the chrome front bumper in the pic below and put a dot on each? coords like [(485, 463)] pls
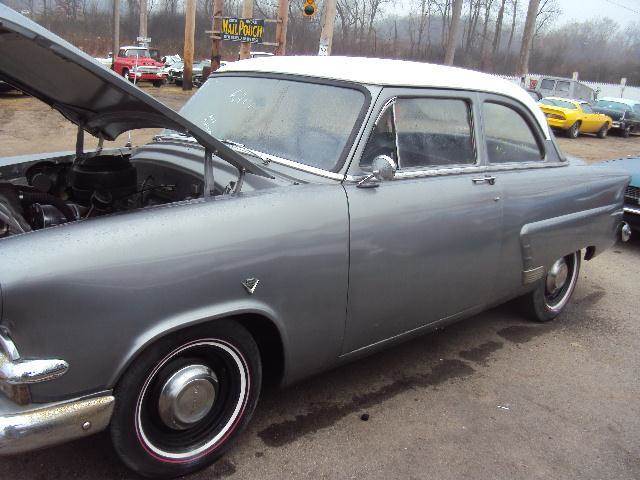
[(29, 427)]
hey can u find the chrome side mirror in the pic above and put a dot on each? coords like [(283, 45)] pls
[(382, 168)]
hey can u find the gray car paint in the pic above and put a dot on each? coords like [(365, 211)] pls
[(438, 248), (107, 287)]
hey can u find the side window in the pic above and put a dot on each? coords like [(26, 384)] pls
[(122, 53), (424, 132), (434, 132), (562, 87), (509, 138), (547, 84), (636, 108)]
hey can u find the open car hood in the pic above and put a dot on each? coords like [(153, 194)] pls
[(47, 67)]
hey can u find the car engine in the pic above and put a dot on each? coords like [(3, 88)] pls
[(52, 193)]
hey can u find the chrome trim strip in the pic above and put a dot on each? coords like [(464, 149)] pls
[(532, 275), (524, 165), (299, 166), (24, 372), (437, 172), (47, 425), (635, 211)]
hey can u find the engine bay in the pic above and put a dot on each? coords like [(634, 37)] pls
[(50, 193)]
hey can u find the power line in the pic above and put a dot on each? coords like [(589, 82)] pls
[(613, 2)]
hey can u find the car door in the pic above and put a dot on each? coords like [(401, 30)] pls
[(524, 163), (591, 121), (424, 245)]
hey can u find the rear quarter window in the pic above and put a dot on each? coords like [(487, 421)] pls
[(508, 135)]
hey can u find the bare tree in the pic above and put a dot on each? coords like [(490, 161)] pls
[(527, 38), (484, 53), (452, 41), (498, 31)]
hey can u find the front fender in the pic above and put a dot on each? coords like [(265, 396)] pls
[(199, 316), (95, 292)]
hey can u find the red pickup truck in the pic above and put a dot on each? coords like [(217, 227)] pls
[(135, 63)]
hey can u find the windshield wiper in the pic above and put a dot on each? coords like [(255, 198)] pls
[(249, 151)]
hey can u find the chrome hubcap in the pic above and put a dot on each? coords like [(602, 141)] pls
[(187, 396), (557, 276)]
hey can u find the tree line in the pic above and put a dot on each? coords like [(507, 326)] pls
[(488, 36)]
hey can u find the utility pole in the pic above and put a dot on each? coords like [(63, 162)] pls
[(115, 47), (326, 37), (454, 28), (281, 27), (247, 12), (189, 37), (527, 38), (143, 19), (216, 54)]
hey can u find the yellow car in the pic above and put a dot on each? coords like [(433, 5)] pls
[(574, 117)]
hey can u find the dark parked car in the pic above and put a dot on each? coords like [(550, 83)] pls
[(294, 216), (625, 114)]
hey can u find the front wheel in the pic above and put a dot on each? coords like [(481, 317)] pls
[(604, 130), (552, 294), (184, 400), (158, 83)]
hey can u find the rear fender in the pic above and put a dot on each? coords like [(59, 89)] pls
[(545, 241)]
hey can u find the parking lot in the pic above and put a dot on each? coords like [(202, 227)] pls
[(491, 397)]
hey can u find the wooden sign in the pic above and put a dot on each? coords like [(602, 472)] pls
[(249, 30)]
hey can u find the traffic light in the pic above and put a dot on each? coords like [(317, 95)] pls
[(309, 8)]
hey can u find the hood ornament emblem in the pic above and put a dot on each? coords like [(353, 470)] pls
[(250, 285)]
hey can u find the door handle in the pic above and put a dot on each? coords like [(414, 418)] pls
[(486, 179)]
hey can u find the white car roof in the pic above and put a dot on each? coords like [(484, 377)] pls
[(626, 101), (385, 72), (132, 47)]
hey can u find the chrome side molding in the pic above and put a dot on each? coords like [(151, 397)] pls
[(532, 275)]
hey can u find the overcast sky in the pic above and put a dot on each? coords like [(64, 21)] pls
[(587, 9)]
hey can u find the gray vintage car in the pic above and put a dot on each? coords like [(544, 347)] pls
[(299, 213)]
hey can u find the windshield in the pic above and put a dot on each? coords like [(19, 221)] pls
[(305, 122), (621, 107), (137, 52), (558, 103)]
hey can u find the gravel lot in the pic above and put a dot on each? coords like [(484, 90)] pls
[(491, 397)]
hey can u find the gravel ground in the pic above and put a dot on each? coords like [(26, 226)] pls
[(491, 397)]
